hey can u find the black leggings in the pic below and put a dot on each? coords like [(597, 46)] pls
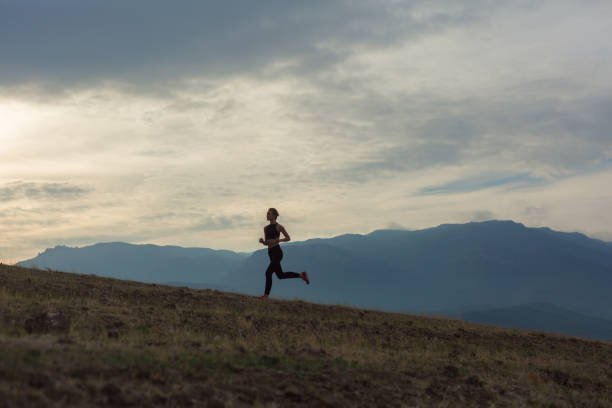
[(276, 254)]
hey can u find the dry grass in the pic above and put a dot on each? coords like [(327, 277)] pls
[(68, 339)]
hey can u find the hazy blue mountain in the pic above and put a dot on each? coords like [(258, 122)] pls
[(458, 266), (452, 267), (146, 263), (543, 317)]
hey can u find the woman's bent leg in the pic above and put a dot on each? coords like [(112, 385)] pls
[(285, 275)]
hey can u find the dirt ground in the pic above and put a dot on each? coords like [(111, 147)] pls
[(80, 340)]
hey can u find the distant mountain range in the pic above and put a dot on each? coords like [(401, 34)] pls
[(145, 263), (543, 317), (492, 272)]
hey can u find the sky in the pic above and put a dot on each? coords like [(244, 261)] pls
[(181, 123)]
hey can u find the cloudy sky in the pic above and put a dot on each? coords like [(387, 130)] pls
[(180, 123)]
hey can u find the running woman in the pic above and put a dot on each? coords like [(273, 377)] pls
[(272, 233)]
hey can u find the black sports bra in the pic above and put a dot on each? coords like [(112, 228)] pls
[(271, 232)]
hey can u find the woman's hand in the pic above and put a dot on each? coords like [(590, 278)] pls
[(261, 240)]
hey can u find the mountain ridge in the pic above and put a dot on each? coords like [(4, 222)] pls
[(499, 263), (544, 317)]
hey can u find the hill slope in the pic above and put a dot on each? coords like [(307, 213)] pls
[(74, 340)]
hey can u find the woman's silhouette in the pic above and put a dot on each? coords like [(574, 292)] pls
[(272, 233)]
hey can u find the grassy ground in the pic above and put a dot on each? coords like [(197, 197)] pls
[(68, 339)]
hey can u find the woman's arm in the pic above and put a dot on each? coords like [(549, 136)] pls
[(284, 232)]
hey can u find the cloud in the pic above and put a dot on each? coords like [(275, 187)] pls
[(548, 122), (189, 117), (69, 43), (559, 134), (394, 225), (536, 215), (213, 223), (41, 191), (391, 161), (156, 218), (479, 183), (482, 215)]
